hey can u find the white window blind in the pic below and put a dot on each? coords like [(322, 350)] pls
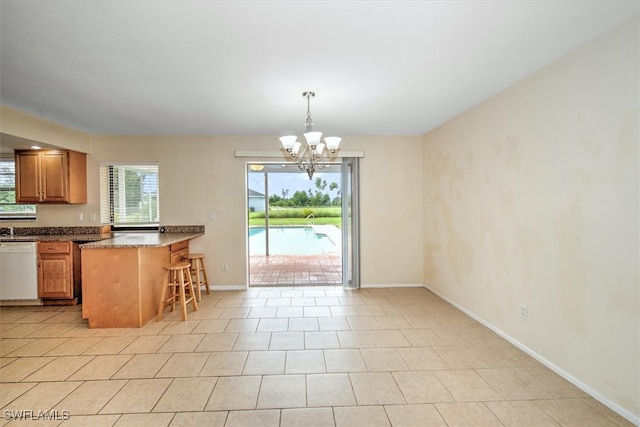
[(129, 195), (9, 209)]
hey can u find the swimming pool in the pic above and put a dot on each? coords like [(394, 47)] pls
[(292, 241)]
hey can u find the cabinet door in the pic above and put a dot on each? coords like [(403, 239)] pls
[(27, 177), (55, 279), (180, 255), (53, 172), (178, 251)]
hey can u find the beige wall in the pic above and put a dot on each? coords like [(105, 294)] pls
[(201, 175), (17, 123), (391, 210), (532, 198)]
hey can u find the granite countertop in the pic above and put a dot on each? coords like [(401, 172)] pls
[(140, 239), (98, 237), (53, 238)]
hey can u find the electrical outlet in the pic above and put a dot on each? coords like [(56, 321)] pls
[(79, 217), (225, 267), (523, 311)]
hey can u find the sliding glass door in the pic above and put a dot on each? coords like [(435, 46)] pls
[(301, 231), (294, 234), (350, 223)]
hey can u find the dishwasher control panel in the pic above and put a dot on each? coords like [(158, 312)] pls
[(17, 247)]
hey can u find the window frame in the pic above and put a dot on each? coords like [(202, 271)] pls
[(14, 216), (107, 196)]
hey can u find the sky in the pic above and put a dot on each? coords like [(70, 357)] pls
[(298, 181)]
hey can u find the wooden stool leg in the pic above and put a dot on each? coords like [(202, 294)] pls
[(204, 275), (163, 294), (194, 303), (196, 270), (174, 283), (183, 298)]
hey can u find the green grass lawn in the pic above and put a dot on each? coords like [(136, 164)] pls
[(297, 221), (298, 216)]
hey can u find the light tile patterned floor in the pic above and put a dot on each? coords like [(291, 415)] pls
[(298, 270), (320, 356)]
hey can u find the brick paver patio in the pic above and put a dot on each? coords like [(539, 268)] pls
[(292, 270)]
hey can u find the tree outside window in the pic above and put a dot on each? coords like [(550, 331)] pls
[(129, 195), (9, 209)]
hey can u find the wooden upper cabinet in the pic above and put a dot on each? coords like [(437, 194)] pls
[(54, 169), (27, 176), (51, 176)]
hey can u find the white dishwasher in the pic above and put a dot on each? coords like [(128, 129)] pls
[(18, 273)]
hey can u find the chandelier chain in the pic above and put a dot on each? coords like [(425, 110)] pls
[(309, 123)]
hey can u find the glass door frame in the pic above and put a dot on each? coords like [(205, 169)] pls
[(350, 223), (265, 169), (352, 253)]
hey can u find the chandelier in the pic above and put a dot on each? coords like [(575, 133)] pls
[(310, 156)]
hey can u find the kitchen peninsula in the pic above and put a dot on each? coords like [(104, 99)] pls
[(122, 275)]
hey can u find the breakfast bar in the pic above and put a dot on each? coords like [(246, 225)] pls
[(122, 276)]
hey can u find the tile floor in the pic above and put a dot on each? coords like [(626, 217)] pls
[(299, 270), (282, 357)]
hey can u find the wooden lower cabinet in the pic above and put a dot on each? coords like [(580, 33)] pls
[(121, 286), (178, 252), (59, 272)]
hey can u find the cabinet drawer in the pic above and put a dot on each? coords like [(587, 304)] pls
[(54, 247), (179, 246)]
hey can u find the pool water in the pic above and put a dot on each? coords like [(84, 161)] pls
[(290, 241)]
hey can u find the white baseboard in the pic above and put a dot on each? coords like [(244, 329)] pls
[(374, 285), (229, 288), (392, 285), (564, 374)]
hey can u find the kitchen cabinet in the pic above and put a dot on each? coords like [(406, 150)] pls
[(178, 251), (59, 272), (51, 176)]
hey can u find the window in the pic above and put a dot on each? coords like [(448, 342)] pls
[(9, 209), (129, 196)]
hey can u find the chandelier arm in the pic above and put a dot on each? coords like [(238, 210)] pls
[(321, 163), (300, 158), (302, 154)]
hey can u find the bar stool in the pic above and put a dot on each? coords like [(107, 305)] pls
[(199, 273), (175, 287)]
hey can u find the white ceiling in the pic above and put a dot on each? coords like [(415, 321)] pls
[(225, 67)]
